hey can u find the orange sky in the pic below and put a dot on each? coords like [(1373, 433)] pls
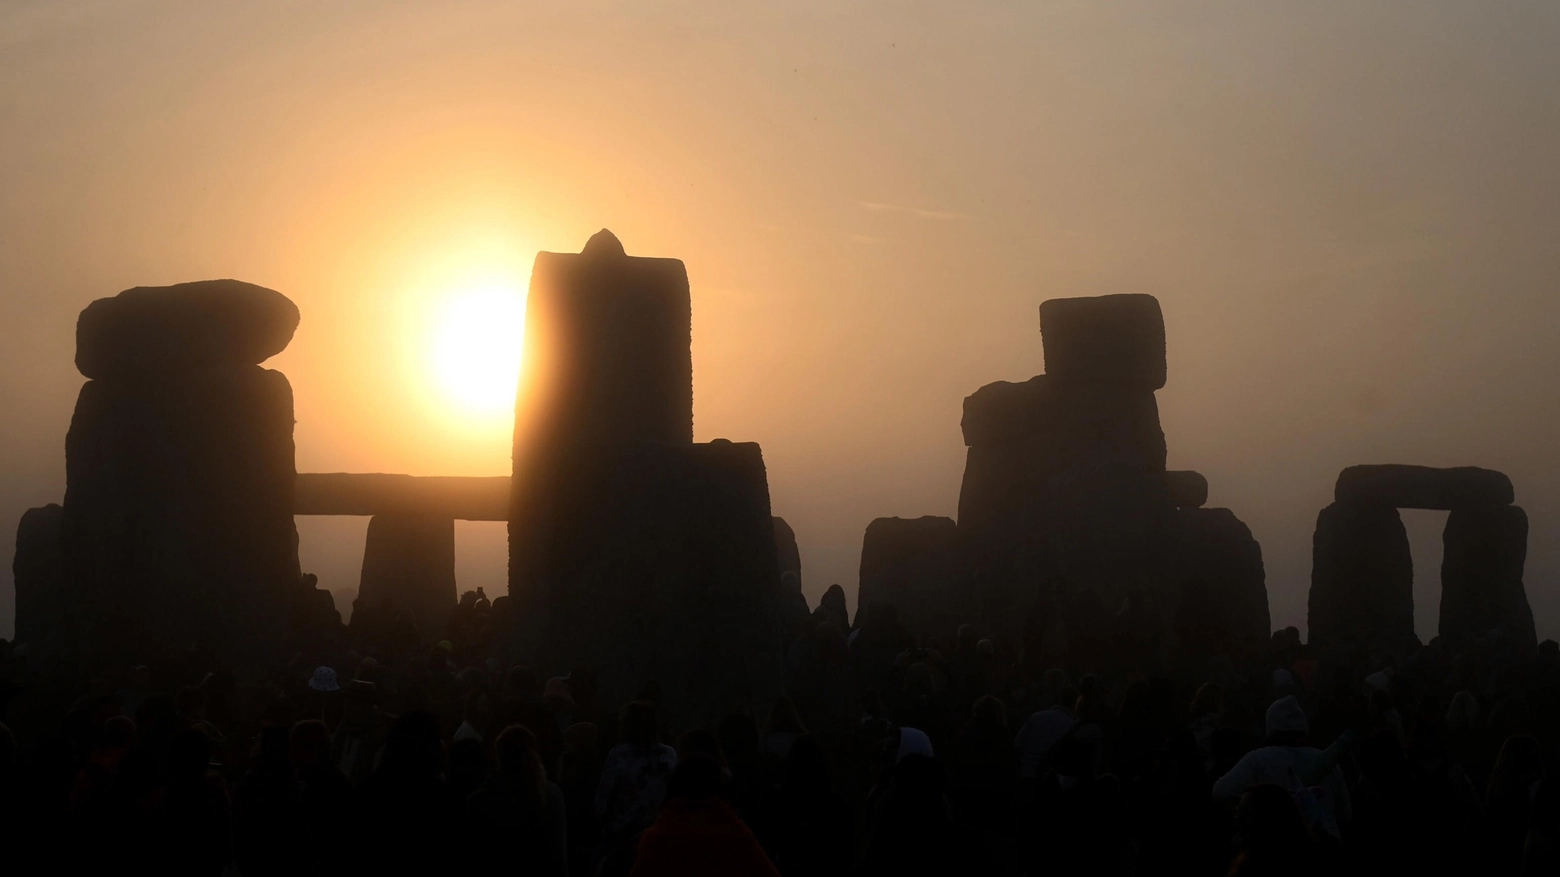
[(1348, 211)]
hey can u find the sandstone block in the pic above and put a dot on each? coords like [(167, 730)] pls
[(1113, 339), (1421, 487), (158, 330), (1188, 490)]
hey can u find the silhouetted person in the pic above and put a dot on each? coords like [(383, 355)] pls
[(1508, 804), (188, 828), (518, 817), (324, 800), (633, 783), (807, 828), (265, 817), (403, 813), (579, 774), (911, 829), (697, 833), (363, 732), (1288, 761), (1274, 838)]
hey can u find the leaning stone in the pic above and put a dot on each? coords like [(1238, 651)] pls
[(159, 330), (1484, 551), (1188, 490), (1421, 487), (1113, 339), (1223, 602)]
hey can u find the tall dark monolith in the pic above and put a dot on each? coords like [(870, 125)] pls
[(46, 605), (1223, 605), (1065, 510), (1485, 549), (633, 551), (1362, 581), (912, 564), (409, 564), (178, 523)]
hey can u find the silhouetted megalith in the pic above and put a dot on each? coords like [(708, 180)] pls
[(788, 556), (45, 602), (634, 551), (1188, 490), (1065, 479), (1422, 487), (409, 563), (1223, 602), (172, 329), (1114, 339), (1485, 549), (912, 564), (1362, 580), (178, 522), (463, 498)]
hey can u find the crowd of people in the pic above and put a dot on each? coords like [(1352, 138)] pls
[(887, 754)]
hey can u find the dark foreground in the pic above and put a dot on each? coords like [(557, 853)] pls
[(887, 756)]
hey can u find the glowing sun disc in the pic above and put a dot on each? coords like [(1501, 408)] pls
[(476, 348)]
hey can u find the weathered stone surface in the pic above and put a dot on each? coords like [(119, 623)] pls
[(791, 608), (655, 562), (1064, 480), (178, 523), (1188, 490), (912, 564), (1223, 603), (409, 563), (44, 601), (460, 498), (1362, 581), (1421, 487), (1114, 339), (607, 356), (169, 329), (1485, 550)]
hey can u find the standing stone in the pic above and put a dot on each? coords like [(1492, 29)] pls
[(178, 522), (1066, 481), (633, 551), (1362, 581), (1112, 339), (1224, 605), (45, 605), (409, 563), (791, 607), (1485, 549), (912, 564), (787, 554)]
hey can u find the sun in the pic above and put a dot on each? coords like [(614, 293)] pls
[(476, 347)]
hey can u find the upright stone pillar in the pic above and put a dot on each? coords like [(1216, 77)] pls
[(409, 563), (178, 522), (46, 604), (1065, 485), (1485, 549), (1362, 580), (912, 564), (633, 551), (1223, 605)]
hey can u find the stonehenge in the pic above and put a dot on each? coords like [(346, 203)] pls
[(177, 523), (1223, 604), (634, 551), (483, 498), (1188, 490), (912, 564), (44, 605), (409, 564), (1362, 571)]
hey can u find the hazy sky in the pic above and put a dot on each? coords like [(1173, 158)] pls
[(1349, 210)]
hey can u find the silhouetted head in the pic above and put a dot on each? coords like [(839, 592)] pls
[(1286, 723), (582, 685), (1209, 700), (990, 708), (702, 743), (309, 746), (413, 747), (523, 682), (805, 772), (783, 717), (639, 724), (118, 732), (189, 753), (695, 779)]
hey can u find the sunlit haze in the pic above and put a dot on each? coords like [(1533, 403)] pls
[(1347, 210)]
